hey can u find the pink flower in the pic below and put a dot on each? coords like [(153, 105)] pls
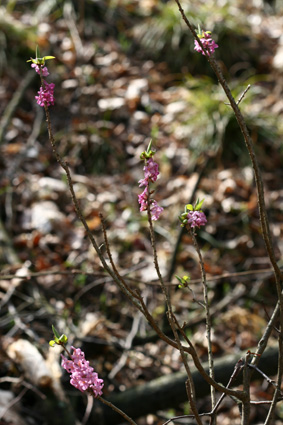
[(207, 42), (46, 95), (82, 376), (143, 182), (151, 170), (156, 210), (143, 199), (40, 70), (150, 175), (196, 218)]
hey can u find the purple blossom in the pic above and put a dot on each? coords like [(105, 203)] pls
[(150, 175), (46, 94), (143, 199), (40, 70), (151, 170), (196, 218), (82, 376), (156, 210), (143, 182), (207, 42)]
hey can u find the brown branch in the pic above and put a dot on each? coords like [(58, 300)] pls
[(207, 313), (266, 234), (115, 270), (190, 387), (155, 257), (116, 409), (249, 144), (245, 419), (78, 210)]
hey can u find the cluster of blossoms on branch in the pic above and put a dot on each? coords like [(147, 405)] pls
[(196, 218), (40, 69), (45, 95), (82, 376), (193, 215), (150, 175), (207, 42)]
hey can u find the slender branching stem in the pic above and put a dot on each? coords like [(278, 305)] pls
[(134, 294), (245, 419), (249, 144), (266, 234), (155, 257), (116, 409), (207, 313), (78, 210), (190, 387)]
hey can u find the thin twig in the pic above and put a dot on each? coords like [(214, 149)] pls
[(249, 144), (79, 213), (207, 313), (153, 282), (155, 257), (116, 409), (264, 222), (270, 381), (190, 387), (245, 419), (172, 264), (198, 365), (115, 270), (243, 95), (235, 373)]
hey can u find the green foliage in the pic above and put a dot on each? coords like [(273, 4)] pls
[(148, 153), (59, 340), (184, 281), (38, 60)]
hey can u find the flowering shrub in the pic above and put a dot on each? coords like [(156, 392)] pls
[(82, 376), (207, 42)]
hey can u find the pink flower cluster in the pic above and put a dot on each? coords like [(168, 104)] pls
[(46, 94), (196, 218), (83, 376), (207, 42), (40, 70), (150, 175)]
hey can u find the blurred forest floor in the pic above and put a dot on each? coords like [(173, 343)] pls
[(125, 72)]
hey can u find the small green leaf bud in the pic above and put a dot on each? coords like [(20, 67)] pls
[(56, 333)]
